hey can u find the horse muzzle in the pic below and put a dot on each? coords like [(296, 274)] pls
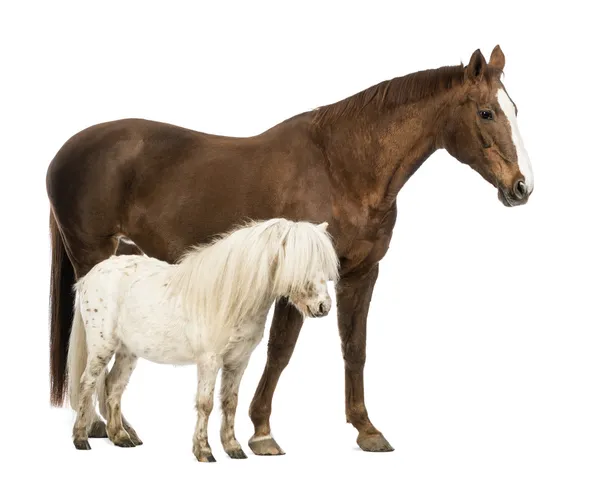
[(516, 196)]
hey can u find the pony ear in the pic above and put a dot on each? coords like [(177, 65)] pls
[(323, 226), (476, 66), (497, 58)]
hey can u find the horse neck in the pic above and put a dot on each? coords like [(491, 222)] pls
[(374, 152)]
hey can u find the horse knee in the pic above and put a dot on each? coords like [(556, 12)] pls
[(354, 356)]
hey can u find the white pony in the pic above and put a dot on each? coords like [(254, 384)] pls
[(209, 309)]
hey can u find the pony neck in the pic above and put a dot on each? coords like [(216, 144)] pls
[(373, 151)]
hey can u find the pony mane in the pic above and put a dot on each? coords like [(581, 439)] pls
[(242, 271), (400, 91)]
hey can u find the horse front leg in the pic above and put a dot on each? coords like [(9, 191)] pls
[(353, 299), (285, 328)]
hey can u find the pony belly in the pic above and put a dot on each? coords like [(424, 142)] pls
[(154, 339), (163, 351)]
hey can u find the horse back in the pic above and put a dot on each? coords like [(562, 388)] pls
[(167, 187)]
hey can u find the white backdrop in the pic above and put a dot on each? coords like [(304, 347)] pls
[(483, 359)]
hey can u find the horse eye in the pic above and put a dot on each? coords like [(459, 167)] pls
[(486, 114)]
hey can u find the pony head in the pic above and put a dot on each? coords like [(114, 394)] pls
[(306, 262)]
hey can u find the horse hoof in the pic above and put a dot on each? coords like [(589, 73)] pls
[(82, 445), (237, 454), (265, 445), (374, 443), (98, 430)]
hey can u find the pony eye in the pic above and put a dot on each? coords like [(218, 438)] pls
[(486, 114)]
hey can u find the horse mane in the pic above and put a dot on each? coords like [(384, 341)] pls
[(399, 91), (235, 275)]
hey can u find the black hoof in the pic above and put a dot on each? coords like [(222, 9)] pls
[(211, 458), (82, 445)]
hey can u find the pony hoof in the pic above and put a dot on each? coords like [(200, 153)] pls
[(132, 434), (98, 430), (237, 454), (374, 443), (265, 445), (122, 439), (206, 458), (135, 439), (82, 444), (125, 443)]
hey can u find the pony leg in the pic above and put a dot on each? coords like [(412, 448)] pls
[(353, 299), (230, 385), (119, 431), (285, 328), (84, 252), (207, 376), (86, 415)]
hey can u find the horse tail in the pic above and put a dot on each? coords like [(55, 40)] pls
[(62, 298), (77, 356)]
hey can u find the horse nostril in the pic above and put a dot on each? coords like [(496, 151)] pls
[(520, 190), (322, 308)]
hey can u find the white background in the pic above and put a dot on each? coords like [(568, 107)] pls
[(483, 359)]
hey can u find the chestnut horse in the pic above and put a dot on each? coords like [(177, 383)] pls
[(166, 188)]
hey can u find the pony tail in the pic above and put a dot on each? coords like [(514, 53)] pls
[(77, 356)]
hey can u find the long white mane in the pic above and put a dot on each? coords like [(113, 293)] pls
[(238, 273)]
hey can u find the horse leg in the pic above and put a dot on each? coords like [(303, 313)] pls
[(207, 376), (98, 358), (285, 328), (119, 431), (230, 384), (353, 299)]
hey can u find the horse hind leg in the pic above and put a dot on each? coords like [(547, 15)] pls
[(119, 431)]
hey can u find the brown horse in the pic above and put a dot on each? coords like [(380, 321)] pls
[(165, 187)]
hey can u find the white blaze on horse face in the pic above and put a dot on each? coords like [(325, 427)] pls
[(522, 156)]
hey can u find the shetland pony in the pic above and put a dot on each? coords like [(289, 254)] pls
[(208, 309)]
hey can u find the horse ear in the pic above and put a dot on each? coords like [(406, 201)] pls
[(497, 58), (323, 226), (476, 66)]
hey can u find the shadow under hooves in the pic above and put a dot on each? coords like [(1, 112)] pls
[(265, 447)]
